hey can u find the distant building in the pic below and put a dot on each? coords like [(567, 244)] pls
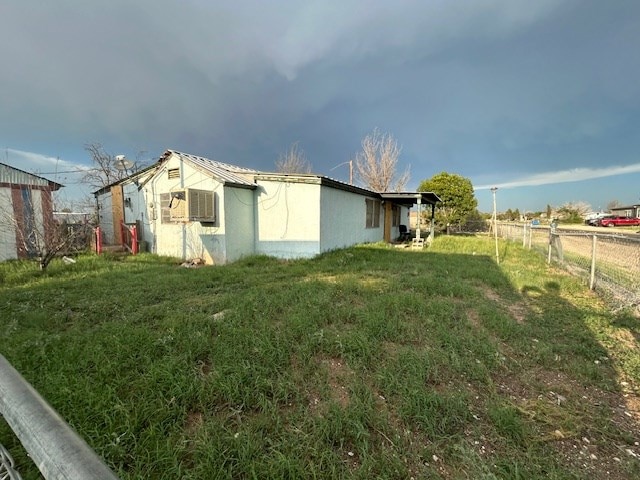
[(26, 206), (632, 211)]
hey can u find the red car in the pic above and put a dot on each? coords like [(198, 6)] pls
[(619, 221)]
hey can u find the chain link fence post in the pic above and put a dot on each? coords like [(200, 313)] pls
[(592, 279)]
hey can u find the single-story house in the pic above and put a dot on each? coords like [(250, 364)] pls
[(188, 207), (632, 211), (26, 210)]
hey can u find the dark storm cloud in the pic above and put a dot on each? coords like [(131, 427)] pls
[(494, 89)]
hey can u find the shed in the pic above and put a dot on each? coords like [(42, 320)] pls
[(26, 208)]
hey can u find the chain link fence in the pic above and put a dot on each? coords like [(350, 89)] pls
[(608, 262), (7, 466)]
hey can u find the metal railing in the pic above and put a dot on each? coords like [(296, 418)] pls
[(58, 451), (130, 237), (608, 262)]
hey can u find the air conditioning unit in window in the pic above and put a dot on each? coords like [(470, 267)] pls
[(191, 205)]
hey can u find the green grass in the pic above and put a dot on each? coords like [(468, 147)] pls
[(369, 362)]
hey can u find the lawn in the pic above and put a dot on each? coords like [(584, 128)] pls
[(369, 362)]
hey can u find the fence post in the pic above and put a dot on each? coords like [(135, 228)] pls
[(134, 240), (592, 281), (98, 240), (524, 234), (530, 235)]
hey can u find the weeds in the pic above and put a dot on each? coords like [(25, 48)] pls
[(367, 362)]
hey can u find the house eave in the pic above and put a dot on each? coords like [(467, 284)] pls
[(411, 198)]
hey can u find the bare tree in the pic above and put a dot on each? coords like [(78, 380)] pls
[(377, 163), (574, 212), (105, 169), (613, 204), (293, 160), (37, 233), (581, 208)]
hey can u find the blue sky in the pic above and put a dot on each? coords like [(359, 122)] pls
[(541, 99)]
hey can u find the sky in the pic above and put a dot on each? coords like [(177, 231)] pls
[(540, 99)]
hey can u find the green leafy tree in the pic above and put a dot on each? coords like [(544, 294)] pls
[(456, 193), (508, 215)]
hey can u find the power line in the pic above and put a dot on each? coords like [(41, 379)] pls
[(79, 170)]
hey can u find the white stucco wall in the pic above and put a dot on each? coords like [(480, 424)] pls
[(343, 222), (186, 240), (287, 219), (239, 207), (7, 232)]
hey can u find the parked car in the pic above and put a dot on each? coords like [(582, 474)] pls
[(594, 218), (595, 222), (619, 221)]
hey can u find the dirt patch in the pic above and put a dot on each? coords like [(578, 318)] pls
[(474, 318), (338, 377), (562, 411), (193, 423), (625, 338), (204, 367), (391, 349), (517, 310)]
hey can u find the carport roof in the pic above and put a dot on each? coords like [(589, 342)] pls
[(411, 198)]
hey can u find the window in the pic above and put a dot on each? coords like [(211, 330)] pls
[(165, 199), (395, 216), (201, 205), (373, 213)]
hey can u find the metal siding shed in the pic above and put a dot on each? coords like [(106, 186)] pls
[(13, 176)]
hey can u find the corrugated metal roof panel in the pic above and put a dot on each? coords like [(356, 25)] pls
[(222, 171), (16, 176)]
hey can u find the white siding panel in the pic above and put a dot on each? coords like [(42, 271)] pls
[(239, 206), (288, 219), (344, 218), (7, 232)]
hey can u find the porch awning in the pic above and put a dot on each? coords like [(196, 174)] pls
[(411, 198)]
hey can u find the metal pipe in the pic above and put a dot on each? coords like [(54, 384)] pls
[(58, 451)]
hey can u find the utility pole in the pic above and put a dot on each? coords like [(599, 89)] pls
[(495, 223)]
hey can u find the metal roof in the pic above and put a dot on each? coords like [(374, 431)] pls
[(411, 198), (227, 174), (15, 176)]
